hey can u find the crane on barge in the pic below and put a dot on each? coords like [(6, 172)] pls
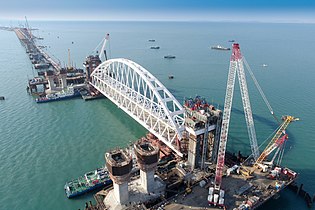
[(237, 67), (277, 142)]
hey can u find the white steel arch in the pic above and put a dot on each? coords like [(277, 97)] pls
[(142, 96)]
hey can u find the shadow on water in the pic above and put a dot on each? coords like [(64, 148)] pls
[(123, 118), (263, 120)]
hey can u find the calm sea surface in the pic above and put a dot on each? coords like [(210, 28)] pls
[(44, 145)]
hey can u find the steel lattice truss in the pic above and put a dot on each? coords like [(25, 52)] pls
[(236, 68), (142, 96)]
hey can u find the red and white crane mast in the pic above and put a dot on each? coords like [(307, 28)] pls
[(236, 67)]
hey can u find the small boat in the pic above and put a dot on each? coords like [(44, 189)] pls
[(219, 47), (155, 47), (151, 40), (58, 96), (90, 181), (171, 76), (264, 65), (2, 98), (232, 40), (169, 56), (93, 180)]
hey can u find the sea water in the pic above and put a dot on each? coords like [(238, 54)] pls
[(44, 145)]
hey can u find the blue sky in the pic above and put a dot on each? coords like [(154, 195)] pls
[(201, 10)]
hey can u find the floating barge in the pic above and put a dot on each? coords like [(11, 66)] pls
[(59, 96), (91, 94)]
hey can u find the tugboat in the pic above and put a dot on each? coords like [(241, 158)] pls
[(169, 56), (58, 96), (90, 181), (219, 47)]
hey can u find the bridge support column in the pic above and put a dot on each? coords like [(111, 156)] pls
[(50, 78), (63, 78)]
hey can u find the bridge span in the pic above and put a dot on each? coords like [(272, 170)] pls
[(143, 97)]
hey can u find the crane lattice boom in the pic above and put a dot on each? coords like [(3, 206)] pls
[(276, 141), (236, 67), (103, 46)]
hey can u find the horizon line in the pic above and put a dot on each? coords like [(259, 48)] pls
[(162, 20)]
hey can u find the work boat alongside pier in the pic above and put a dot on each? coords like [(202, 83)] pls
[(58, 96), (90, 181)]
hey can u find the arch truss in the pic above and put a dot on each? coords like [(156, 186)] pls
[(142, 96)]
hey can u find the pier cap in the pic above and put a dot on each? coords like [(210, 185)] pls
[(118, 163), (147, 154)]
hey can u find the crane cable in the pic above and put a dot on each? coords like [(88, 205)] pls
[(260, 90), (281, 153), (269, 137), (101, 42)]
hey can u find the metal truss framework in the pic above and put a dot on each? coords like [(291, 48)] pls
[(236, 67), (143, 97)]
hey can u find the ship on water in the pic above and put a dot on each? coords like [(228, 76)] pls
[(58, 96), (90, 181), (170, 56), (219, 47)]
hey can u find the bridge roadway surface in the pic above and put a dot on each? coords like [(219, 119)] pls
[(24, 35)]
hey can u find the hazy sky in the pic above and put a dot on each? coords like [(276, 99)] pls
[(204, 10)]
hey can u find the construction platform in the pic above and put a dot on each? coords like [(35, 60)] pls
[(240, 192), (185, 189)]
